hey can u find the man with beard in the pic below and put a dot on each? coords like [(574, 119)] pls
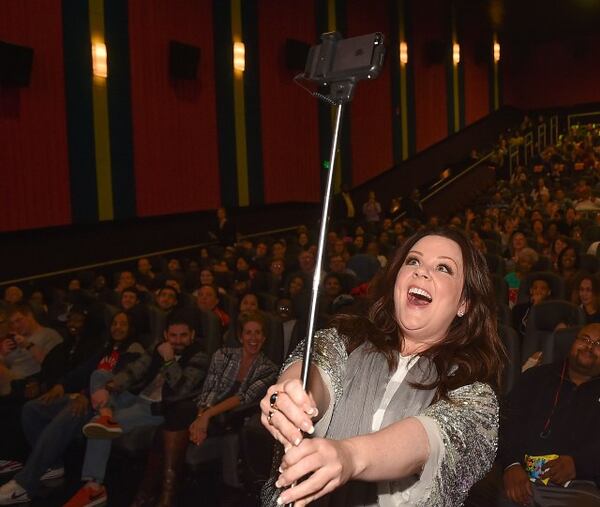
[(552, 417), (137, 396)]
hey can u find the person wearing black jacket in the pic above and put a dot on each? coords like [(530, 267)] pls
[(224, 231), (553, 413), (137, 397), (52, 421)]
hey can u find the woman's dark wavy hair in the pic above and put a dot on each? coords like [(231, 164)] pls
[(472, 350)]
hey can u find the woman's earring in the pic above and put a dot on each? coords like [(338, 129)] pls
[(460, 313)]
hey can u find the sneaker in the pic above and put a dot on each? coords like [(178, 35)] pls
[(8, 466), (53, 473), (88, 497), (11, 493), (103, 428)]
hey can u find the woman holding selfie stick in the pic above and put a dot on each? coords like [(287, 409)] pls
[(401, 404)]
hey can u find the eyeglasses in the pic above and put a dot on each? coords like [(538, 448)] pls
[(595, 344)]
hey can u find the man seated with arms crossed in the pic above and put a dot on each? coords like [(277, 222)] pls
[(553, 418), (136, 397)]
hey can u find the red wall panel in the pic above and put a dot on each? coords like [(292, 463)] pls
[(371, 119), (429, 24), (552, 74), (475, 35), (33, 139), (174, 123), (288, 114)]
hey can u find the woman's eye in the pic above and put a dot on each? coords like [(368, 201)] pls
[(444, 268), (412, 261)]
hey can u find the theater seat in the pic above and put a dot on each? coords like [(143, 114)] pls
[(211, 332), (365, 266), (255, 455), (589, 263), (542, 322), (512, 371), (504, 315), (500, 289), (495, 263), (557, 346)]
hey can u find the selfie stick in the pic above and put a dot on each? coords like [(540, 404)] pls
[(312, 315), (339, 64)]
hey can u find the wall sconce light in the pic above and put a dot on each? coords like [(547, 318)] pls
[(403, 53), (239, 56), (456, 53), (496, 52), (99, 60)]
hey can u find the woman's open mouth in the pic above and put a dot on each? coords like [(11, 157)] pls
[(418, 296)]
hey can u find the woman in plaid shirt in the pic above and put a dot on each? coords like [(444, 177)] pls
[(237, 375)]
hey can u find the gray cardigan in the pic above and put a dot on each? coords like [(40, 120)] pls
[(462, 432)]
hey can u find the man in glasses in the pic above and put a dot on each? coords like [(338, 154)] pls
[(549, 447)]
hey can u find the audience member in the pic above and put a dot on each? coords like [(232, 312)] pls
[(338, 265), (284, 309), (208, 301), (586, 294), (539, 290), (145, 276), (549, 450), (54, 420), (412, 207), (567, 264), (343, 206), (525, 260), (22, 353), (13, 295), (371, 210), (224, 232), (136, 397)]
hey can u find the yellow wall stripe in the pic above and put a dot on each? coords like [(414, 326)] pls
[(403, 82), (496, 88), (456, 95), (239, 111), (101, 122), (331, 17), (496, 79), (455, 86)]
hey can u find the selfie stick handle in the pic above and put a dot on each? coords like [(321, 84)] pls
[(321, 248)]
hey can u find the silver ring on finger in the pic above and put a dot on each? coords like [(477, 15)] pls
[(270, 416)]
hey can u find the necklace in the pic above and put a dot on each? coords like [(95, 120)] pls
[(545, 433)]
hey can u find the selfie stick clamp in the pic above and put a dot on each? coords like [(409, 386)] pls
[(339, 64)]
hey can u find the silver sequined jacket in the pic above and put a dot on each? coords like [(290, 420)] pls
[(462, 431)]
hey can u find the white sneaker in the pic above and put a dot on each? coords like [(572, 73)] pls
[(11, 493), (53, 473)]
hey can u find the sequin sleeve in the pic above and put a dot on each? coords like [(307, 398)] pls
[(466, 428), (329, 355)]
